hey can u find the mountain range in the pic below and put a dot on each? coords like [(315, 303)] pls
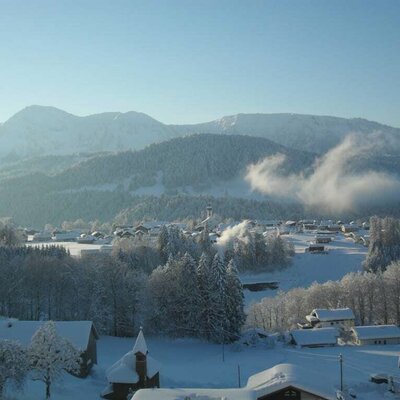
[(39, 131)]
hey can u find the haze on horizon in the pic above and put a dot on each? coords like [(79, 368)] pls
[(196, 61)]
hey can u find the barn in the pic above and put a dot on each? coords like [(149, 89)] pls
[(319, 337)]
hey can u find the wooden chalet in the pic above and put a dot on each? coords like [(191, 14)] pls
[(315, 248), (322, 239), (143, 229), (135, 370), (337, 317)]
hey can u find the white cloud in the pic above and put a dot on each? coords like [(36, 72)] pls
[(236, 232), (331, 186)]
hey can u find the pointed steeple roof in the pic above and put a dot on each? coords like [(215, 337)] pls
[(140, 344)]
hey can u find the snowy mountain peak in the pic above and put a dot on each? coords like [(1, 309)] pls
[(38, 113), (42, 130)]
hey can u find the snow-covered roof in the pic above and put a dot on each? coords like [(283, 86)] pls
[(377, 332), (153, 366), (124, 370), (319, 336), (140, 344), (77, 332), (194, 394), (154, 224), (266, 382), (337, 314), (284, 375)]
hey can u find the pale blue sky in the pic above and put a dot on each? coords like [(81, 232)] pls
[(187, 61)]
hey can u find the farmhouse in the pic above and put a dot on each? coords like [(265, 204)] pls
[(339, 317), (310, 226), (376, 334), (314, 337), (284, 381), (315, 248), (143, 229), (82, 335), (322, 239), (65, 236), (42, 236), (135, 370)]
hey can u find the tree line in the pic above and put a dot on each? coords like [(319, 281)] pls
[(373, 297), (120, 291), (384, 243)]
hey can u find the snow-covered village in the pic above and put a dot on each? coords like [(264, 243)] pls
[(199, 200), (247, 309)]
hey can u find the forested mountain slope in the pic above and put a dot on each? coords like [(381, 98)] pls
[(170, 180), (102, 186)]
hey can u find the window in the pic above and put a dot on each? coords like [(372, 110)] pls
[(290, 394)]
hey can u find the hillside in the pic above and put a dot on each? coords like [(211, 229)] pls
[(103, 185), (174, 179)]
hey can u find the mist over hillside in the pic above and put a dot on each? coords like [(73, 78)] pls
[(175, 179), (102, 186)]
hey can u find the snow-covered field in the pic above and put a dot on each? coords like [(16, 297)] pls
[(343, 256), (73, 247), (192, 363)]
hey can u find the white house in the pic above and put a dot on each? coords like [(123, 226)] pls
[(338, 317), (376, 334), (65, 236), (320, 337)]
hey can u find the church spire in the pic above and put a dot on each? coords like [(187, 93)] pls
[(140, 344)]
